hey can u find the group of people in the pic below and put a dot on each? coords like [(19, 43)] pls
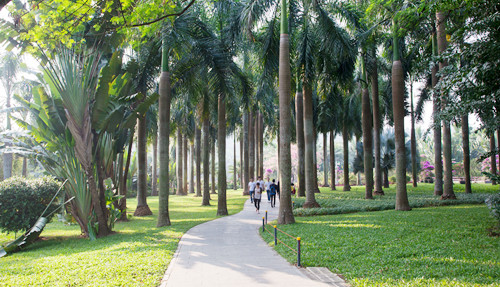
[(257, 187)]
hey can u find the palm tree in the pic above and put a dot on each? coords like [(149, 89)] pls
[(147, 60), (438, 164), (164, 132), (198, 161), (285, 215), (447, 167), (351, 121), (398, 92), (387, 153), (154, 168), (299, 128), (79, 124), (9, 67), (367, 133), (377, 124)]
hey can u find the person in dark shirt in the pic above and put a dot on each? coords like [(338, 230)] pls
[(272, 192)]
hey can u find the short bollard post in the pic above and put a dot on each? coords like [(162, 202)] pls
[(266, 216), (298, 251), (275, 236), (263, 226)]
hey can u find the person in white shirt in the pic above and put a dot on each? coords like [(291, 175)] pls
[(251, 188), (257, 195), (268, 190), (261, 182)]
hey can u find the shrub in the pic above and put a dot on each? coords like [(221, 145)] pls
[(493, 203), (23, 200)]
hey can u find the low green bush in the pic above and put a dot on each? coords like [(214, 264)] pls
[(493, 203), (23, 200), (350, 203)]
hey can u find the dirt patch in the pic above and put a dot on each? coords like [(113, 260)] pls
[(143, 210)]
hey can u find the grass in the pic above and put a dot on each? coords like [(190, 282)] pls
[(137, 255), (339, 202), (436, 246)]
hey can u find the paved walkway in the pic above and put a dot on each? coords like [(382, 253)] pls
[(230, 252)]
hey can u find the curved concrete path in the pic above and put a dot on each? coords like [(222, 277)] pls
[(230, 252)]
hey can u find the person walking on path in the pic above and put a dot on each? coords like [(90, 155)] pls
[(268, 190), (257, 195), (251, 188), (261, 182), (272, 193)]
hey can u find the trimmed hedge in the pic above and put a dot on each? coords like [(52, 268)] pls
[(493, 203), (23, 200), (341, 205)]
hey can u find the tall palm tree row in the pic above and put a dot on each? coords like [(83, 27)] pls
[(333, 67)]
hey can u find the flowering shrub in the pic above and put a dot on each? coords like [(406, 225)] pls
[(426, 172), (458, 169), (486, 164)]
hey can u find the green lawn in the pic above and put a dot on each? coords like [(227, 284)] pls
[(434, 246), (338, 202), (137, 255)]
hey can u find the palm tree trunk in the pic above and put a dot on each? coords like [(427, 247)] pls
[(447, 166), (257, 143), (413, 140), (309, 141), (7, 157), (438, 163), (345, 138), (198, 161), (246, 175), (251, 146), (221, 139), (386, 178), (122, 202), (465, 147), (142, 205), (83, 138), (206, 162), (235, 178), (299, 132), (285, 215), (242, 183), (154, 178), (398, 91), (493, 158), (498, 139), (325, 157), (185, 164), (213, 166), (332, 160), (358, 175), (164, 130), (178, 159), (376, 129), (315, 160), (261, 154), (191, 169), (367, 140), (25, 167)]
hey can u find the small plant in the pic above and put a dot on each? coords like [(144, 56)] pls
[(493, 203), (23, 200)]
